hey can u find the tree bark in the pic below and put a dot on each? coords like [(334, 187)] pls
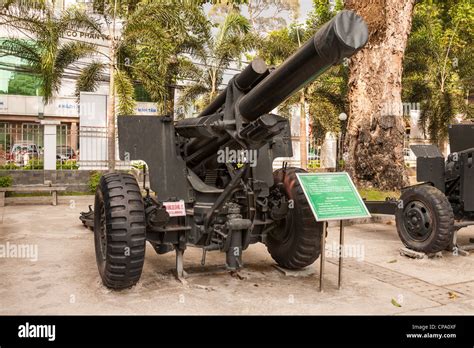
[(376, 129)]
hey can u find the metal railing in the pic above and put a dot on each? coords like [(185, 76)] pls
[(21, 145)]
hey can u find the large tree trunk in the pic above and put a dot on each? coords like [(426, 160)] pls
[(376, 128)]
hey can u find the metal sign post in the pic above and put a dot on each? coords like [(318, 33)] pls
[(341, 248), (332, 196), (323, 256)]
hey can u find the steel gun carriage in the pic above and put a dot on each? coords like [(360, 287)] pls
[(212, 175)]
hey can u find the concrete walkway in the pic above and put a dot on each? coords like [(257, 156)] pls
[(64, 278)]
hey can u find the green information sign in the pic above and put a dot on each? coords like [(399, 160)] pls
[(332, 196)]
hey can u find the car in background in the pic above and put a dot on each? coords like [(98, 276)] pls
[(19, 149), (65, 153)]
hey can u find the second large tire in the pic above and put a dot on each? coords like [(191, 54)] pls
[(119, 230), (425, 222), (296, 242)]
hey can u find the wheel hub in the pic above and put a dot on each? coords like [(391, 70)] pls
[(418, 220)]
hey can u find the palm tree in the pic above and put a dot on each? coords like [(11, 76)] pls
[(180, 29), (152, 31), (44, 51), (233, 38), (442, 34)]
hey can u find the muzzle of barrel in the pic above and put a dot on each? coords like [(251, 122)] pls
[(339, 38)]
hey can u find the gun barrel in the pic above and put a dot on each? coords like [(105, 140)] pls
[(245, 80), (339, 38)]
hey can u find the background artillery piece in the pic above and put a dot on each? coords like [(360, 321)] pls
[(429, 214)]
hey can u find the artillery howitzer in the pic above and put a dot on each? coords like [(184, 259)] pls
[(212, 175), (429, 214)]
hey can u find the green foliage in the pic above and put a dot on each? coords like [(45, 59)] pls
[(279, 45), (322, 12), (327, 95), (36, 4), (372, 194), (10, 166), (69, 164), (230, 41), (313, 164), (124, 87), (89, 78), (34, 164), (6, 181), (46, 54), (157, 40), (438, 65), (94, 181), (141, 94)]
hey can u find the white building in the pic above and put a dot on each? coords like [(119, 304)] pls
[(22, 111)]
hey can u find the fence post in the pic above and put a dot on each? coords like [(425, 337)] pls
[(49, 144)]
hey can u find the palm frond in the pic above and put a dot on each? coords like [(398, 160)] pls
[(24, 4), (76, 19), (125, 93), (89, 78), (54, 63), (21, 48), (234, 24), (70, 52), (191, 93), (187, 69)]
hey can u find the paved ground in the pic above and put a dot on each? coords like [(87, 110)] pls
[(64, 279)]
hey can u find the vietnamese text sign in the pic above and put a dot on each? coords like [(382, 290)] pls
[(332, 196)]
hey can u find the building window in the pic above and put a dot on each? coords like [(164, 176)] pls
[(14, 80)]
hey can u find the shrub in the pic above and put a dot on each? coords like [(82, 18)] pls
[(313, 164), (69, 164), (6, 181), (10, 166), (94, 181), (34, 164)]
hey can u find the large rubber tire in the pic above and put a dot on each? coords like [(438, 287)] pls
[(119, 230), (425, 223), (296, 242)]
